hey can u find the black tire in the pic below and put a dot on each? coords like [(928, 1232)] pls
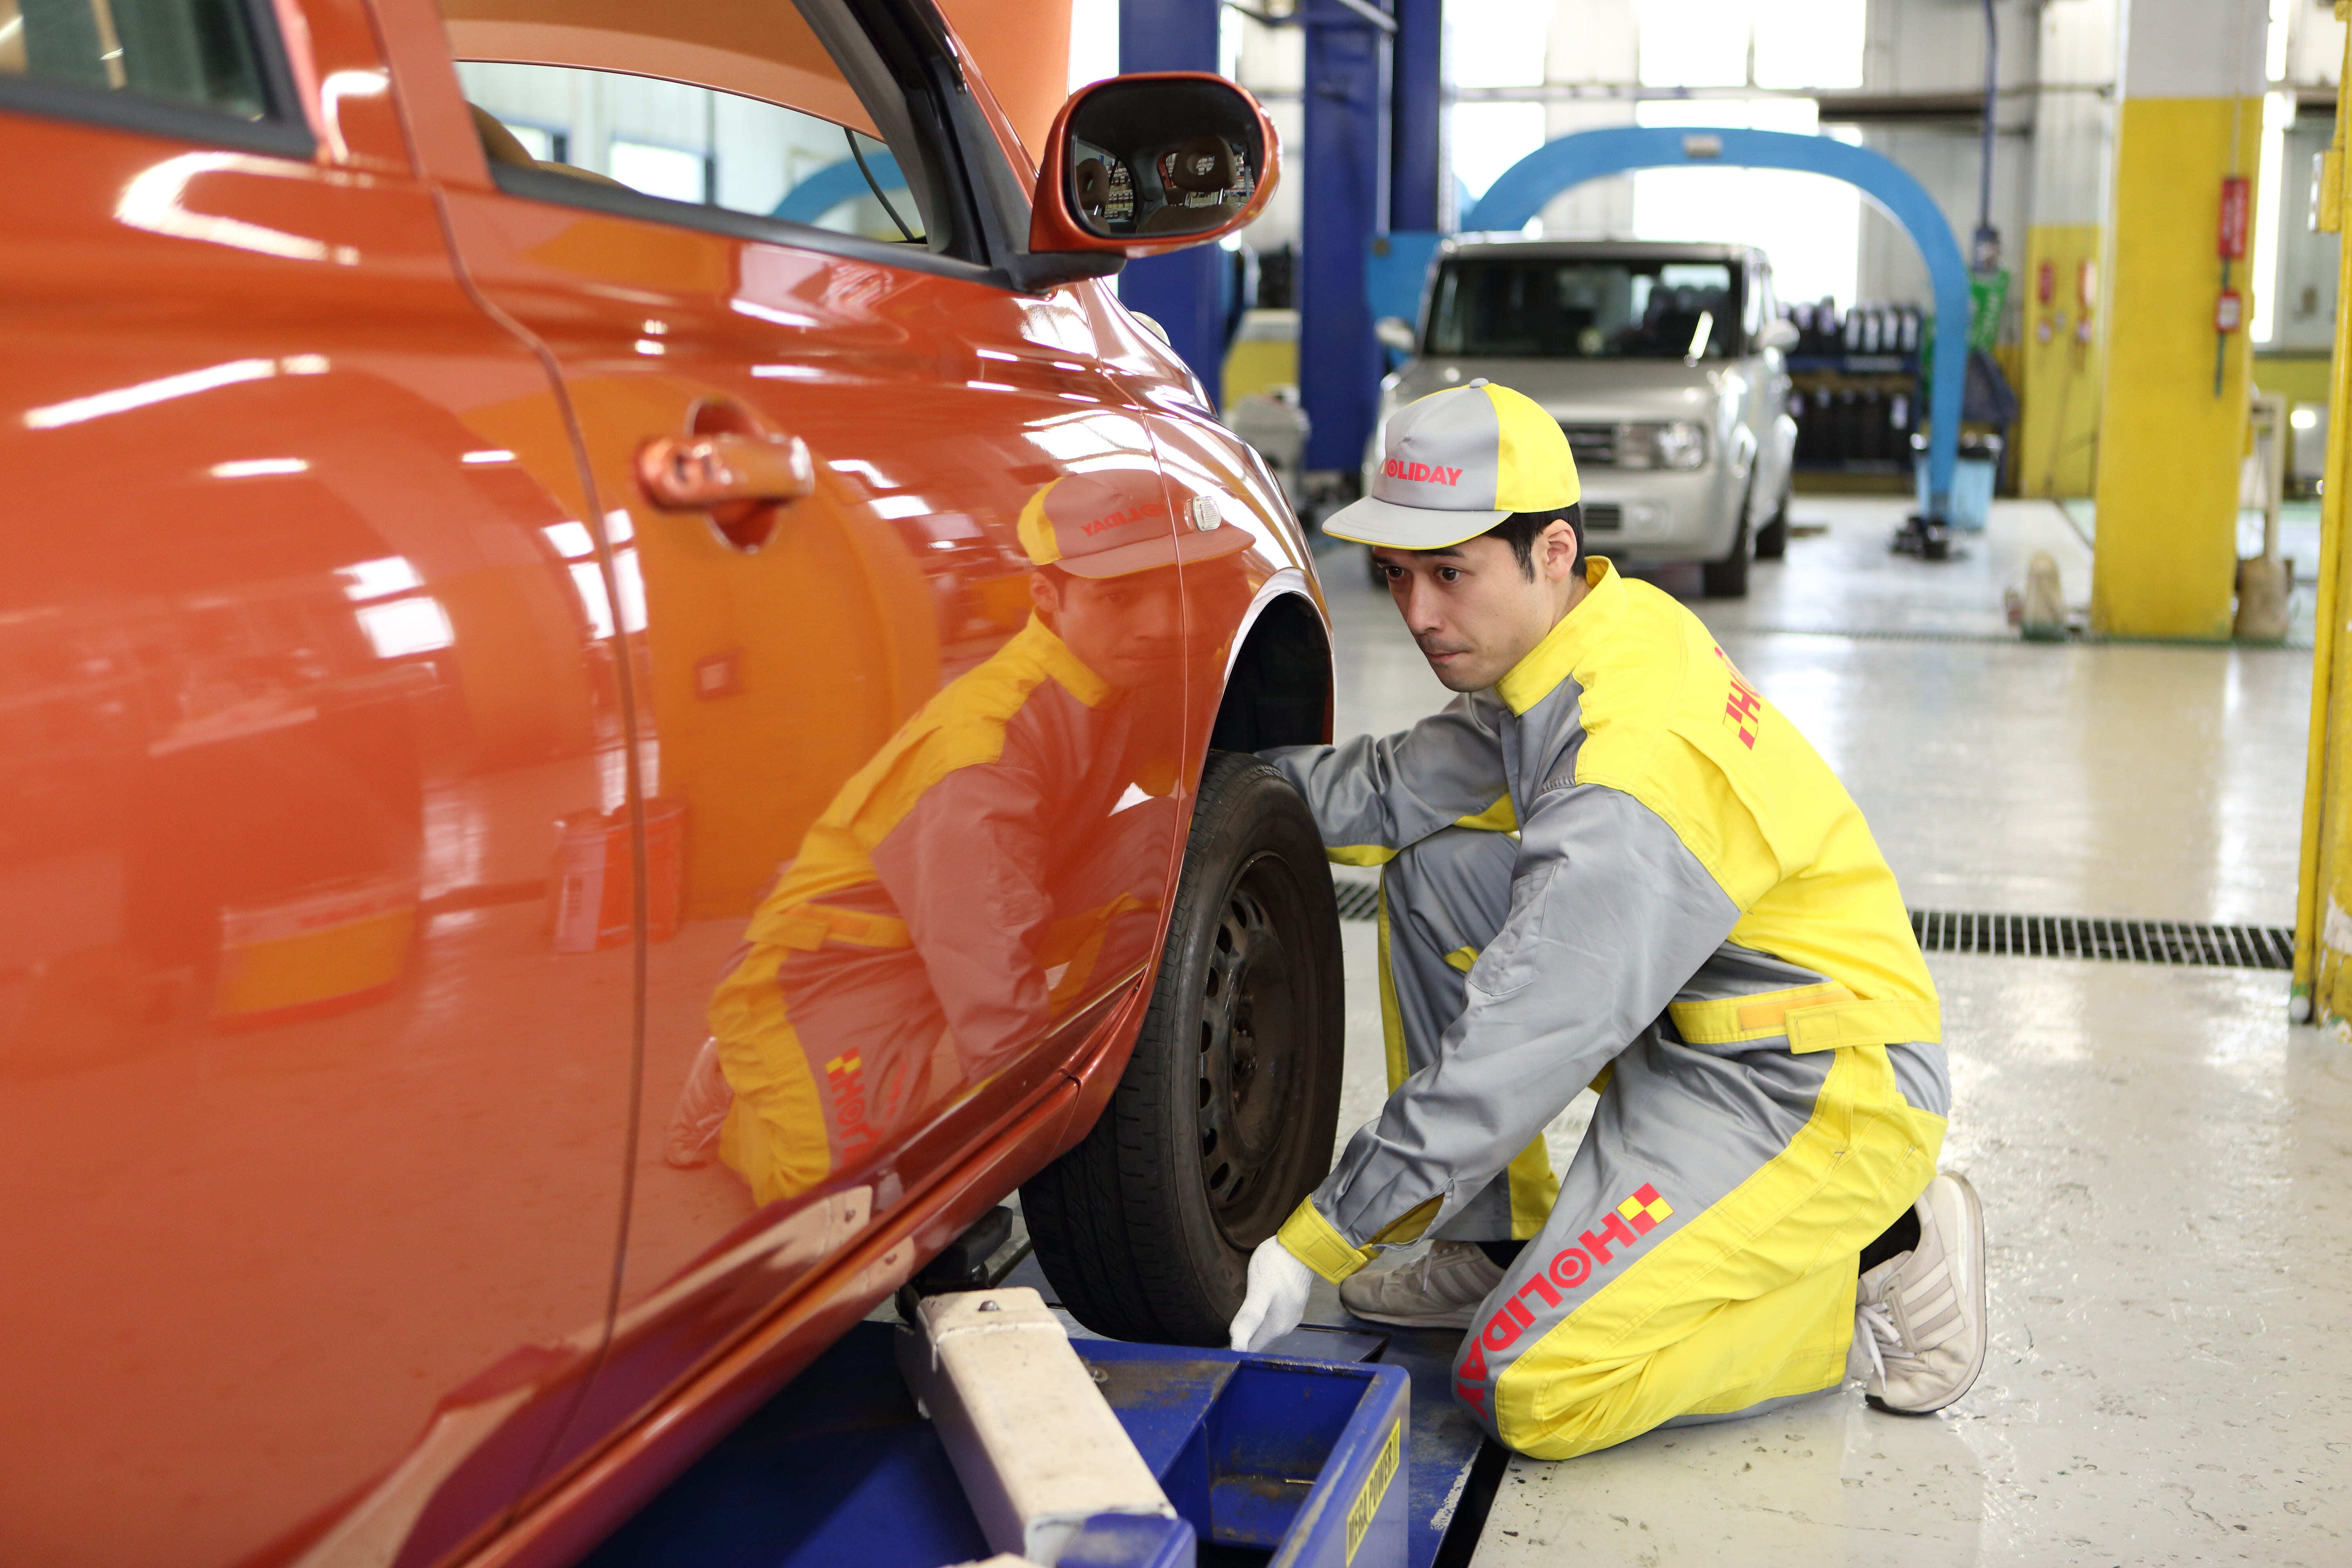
[(1225, 1117), (1772, 538), (1727, 578)]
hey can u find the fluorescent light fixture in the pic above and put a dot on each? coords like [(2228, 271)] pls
[(742, 307), (259, 467), (122, 399), (379, 579), (400, 627), (571, 539)]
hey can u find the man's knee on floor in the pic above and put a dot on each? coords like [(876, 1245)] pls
[(1555, 1409)]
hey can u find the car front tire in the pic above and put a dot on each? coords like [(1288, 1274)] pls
[(1225, 1115)]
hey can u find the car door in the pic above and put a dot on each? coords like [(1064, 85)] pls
[(902, 847), (312, 1090)]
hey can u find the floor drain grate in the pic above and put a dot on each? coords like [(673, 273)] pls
[(2128, 941), (2037, 936)]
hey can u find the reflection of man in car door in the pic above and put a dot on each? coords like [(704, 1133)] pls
[(941, 911)]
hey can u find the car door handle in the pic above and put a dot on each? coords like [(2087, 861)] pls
[(724, 471)]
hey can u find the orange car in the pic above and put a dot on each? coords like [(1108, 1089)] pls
[(626, 690)]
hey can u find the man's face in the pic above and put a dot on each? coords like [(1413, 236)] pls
[(1472, 607), (1128, 630)]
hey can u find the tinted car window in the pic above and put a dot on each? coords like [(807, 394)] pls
[(1587, 307), (691, 144), (197, 54)]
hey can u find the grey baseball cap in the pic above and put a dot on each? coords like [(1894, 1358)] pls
[(1457, 462)]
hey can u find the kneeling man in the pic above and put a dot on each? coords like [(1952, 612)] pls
[(1611, 861)]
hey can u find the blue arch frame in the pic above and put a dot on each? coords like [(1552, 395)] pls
[(836, 184), (1524, 188)]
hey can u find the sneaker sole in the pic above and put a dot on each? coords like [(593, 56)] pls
[(1984, 1327), (1460, 1320)]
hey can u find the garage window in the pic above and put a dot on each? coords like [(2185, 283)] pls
[(186, 54), (814, 115), (686, 142)]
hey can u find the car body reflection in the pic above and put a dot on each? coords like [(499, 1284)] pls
[(937, 914)]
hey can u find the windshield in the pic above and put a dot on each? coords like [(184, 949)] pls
[(1587, 309)]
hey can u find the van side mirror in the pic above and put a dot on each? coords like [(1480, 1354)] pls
[(1395, 332), (1778, 333), (1140, 164)]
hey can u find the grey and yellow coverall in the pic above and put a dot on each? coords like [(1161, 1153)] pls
[(1694, 918)]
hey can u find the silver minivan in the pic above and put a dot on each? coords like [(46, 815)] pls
[(1663, 361)]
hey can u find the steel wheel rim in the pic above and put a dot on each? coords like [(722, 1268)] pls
[(1248, 1071)]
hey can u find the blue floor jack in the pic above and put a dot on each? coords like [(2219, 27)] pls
[(1338, 1447)]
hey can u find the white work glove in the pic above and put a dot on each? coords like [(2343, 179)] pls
[(1276, 1298)]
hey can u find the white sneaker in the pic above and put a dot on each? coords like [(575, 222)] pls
[(1920, 1328), (1439, 1289)]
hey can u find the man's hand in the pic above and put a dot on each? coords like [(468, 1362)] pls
[(1276, 1300)]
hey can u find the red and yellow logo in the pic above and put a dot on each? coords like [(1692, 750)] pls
[(1743, 709), (846, 1081), (1569, 1269)]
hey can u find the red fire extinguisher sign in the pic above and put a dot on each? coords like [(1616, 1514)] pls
[(2234, 203)]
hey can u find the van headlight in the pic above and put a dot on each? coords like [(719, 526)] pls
[(1677, 444)]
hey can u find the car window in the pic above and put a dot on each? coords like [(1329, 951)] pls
[(193, 53), (689, 144), (745, 111), (1587, 307)]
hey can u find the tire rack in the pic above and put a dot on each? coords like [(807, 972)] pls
[(1855, 413)]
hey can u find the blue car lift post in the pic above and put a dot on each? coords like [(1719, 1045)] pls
[(1339, 1446)]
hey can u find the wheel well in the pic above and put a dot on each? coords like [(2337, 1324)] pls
[(1279, 692)]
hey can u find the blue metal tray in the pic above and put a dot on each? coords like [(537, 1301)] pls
[(1272, 1460)]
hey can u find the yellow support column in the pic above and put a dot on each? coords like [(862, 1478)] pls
[(2322, 934), (2058, 419), (2172, 431)]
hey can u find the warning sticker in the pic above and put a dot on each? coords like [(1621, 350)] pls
[(1375, 1487)]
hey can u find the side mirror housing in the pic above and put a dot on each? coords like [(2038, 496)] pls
[(1138, 165), (1779, 334), (1395, 332)]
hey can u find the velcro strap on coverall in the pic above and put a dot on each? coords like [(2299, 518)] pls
[(1813, 1017)]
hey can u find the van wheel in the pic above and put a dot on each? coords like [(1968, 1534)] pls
[(1727, 578), (1772, 538), (1225, 1115)]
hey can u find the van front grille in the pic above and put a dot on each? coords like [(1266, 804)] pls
[(1603, 517), (1594, 445)]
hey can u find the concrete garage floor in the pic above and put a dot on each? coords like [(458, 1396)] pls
[(2166, 1163)]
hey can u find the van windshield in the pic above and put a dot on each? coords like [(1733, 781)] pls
[(1587, 309)]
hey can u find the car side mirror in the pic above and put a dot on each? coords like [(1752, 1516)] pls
[(1780, 333), (1395, 332), (1140, 164)]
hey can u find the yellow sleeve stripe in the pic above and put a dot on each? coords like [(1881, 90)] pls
[(1310, 1239), (1462, 958), (1498, 818)]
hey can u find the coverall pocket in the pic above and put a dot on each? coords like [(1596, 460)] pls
[(1508, 962)]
